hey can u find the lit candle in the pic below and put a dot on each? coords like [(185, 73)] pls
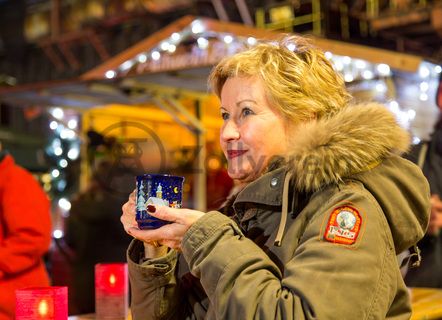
[(41, 303), (111, 290)]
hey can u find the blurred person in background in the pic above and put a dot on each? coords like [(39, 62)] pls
[(428, 155), (93, 234), (326, 204), (25, 233)]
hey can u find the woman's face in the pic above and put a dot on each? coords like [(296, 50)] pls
[(252, 132)]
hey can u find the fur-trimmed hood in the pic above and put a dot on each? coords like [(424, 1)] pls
[(362, 143), (357, 138)]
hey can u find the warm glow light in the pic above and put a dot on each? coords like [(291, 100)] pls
[(43, 308), (112, 279)]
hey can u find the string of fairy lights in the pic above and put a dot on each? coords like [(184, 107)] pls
[(65, 143)]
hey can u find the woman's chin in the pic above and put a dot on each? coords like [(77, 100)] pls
[(242, 174)]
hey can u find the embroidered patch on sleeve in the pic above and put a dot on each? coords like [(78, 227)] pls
[(343, 225)]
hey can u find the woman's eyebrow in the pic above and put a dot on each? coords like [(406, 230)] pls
[(245, 100)]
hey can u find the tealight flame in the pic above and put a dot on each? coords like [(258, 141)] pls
[(112, 279), (43, 308)]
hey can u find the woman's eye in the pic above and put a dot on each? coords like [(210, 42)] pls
[(247, 112), (224, 115)]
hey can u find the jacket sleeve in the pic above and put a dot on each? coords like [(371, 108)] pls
[(155, 293), (319, 280), (26, 224)]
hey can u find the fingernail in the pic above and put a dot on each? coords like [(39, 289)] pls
[(151, 208)]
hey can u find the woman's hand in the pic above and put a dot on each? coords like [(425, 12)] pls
[(172, 234), (169, 235)]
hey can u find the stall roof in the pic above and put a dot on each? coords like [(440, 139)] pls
[(138, 70)]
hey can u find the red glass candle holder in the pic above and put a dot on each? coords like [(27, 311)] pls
[(41, 303), (111, 290)]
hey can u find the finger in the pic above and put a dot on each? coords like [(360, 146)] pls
[(133, 194), (165, 213)]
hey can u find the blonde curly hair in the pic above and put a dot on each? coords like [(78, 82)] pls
[(299, 80)]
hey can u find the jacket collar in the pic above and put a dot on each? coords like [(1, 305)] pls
[(353, 140), (266, 190)]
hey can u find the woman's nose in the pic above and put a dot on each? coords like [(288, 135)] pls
[(230, 131)]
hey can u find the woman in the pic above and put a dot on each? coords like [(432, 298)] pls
[(326, 204)]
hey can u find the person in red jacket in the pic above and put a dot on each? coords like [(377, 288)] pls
[(25, 233)]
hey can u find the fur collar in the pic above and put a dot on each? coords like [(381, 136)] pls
[(353, 140)]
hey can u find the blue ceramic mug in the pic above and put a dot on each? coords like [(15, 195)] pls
[(158, 190)]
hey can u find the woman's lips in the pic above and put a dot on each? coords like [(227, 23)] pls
[(235, 153)]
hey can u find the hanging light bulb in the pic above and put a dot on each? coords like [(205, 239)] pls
[(197, 27), (175, 36), (251, 41), (72, 124), (424, 72), (171, 48), (424, 86), (348, 77), (110, 74), (203, 43), (228, 39), (383, 69), (346, 60), (142, 58), (57, 113), (126, 65), (156, 55), (367, 74)]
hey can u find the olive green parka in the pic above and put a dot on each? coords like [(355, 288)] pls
[(287, 253)]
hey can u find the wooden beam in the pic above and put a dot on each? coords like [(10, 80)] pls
[(393, 21), (395, 60), (436, 19), (142, 46)]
